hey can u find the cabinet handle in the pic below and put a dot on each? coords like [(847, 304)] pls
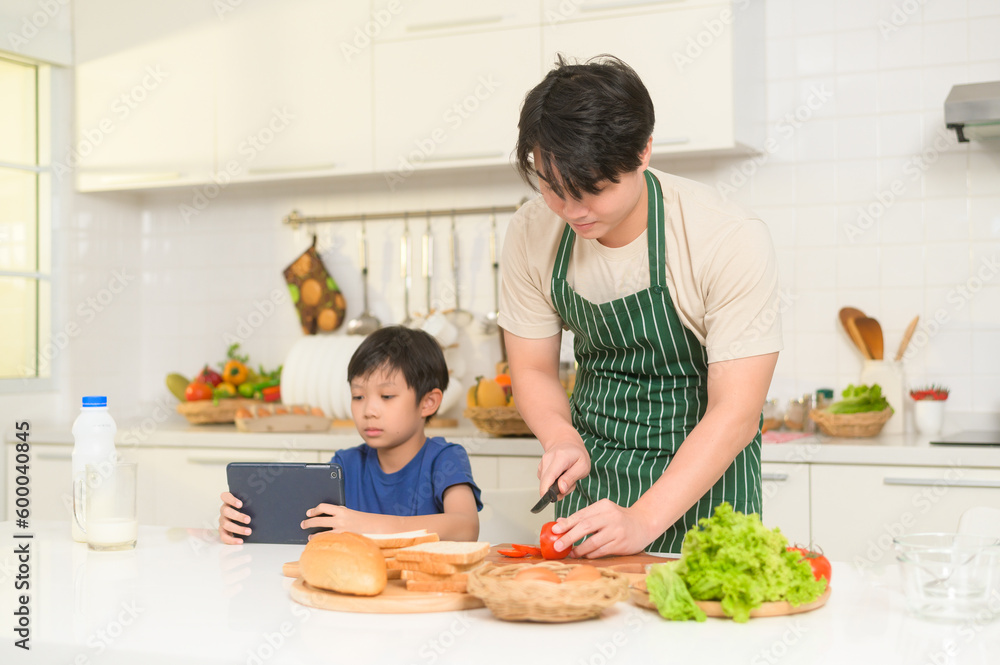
[(460, 23), (471, 155), (56, 455), (625, 4), (943, 482), (302, 168), (774, 477), (673, 140)]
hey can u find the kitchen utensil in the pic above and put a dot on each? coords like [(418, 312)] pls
[(427, 266), (871, 333), (905, 342), (105, 506), (404, 267), (848, 316), (550, 496), (394, 599), (457, 316), (489, 322), (948, 575), (640, 596), (366, 323)]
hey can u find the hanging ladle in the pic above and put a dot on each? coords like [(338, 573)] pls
[(404, 266), (365, 323), (457, 316), (489, 323)]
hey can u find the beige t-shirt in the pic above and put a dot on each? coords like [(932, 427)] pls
[(722, 273)]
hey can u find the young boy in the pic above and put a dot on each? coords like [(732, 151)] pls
[(398, 479)]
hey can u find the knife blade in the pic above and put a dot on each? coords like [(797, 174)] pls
[(549, 497)]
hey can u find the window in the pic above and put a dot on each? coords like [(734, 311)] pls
[(25, 194)]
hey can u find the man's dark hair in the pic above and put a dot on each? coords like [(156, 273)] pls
[(589, 122), (413, 352)]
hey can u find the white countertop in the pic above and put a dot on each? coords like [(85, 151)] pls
[(887, 449), (180, 596)]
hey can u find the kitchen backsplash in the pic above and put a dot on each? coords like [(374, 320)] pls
[(870, 202)]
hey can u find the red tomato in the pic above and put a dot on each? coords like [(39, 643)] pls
[(820, 564), (197, 390), (547, 538), (529, 550), (513, 554)]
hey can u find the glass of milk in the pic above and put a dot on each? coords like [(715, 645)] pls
[(107, 515)]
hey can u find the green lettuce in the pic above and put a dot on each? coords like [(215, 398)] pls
[(733, 558), (860, 399), (670, 593)]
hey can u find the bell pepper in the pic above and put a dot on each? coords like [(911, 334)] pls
[(271, 393), (224, 390), (235, 372)]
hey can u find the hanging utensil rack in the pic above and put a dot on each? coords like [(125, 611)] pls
[(295, 218)]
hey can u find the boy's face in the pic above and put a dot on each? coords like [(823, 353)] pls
[(385, 409), (601, 215)]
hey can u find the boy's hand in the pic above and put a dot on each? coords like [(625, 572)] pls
[(232, 523), (338, 518)]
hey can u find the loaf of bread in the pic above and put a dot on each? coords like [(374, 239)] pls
[(345, 563)]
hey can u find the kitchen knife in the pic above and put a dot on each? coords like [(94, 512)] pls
[(549, 497)]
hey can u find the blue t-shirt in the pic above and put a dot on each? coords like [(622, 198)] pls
[(416, 489)]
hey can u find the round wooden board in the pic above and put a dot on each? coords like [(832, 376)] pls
[(395, 599), (639, 596)]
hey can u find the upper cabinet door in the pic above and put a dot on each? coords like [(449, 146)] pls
[(145, 93), (452, 100), (706, 92), (405, 19), (293, 97)]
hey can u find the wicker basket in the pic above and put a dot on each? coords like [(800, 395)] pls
[(497, 420), (869, 423), (534, 600), (203, 412)]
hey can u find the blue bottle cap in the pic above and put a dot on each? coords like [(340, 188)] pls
[(95, 400)]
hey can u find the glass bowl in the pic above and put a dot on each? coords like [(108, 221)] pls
[(950, 576)]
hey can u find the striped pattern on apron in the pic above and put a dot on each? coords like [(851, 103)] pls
[(640, 390)]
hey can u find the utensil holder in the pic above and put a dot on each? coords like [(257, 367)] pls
[(889, 375)]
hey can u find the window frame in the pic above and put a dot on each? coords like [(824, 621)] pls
[(44, 204)]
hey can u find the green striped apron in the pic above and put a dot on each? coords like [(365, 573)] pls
[(640, 390)]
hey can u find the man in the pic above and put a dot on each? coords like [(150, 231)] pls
[(671, 294)]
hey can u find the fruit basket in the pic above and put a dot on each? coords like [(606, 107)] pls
[(865, 424), (523, 600), (497, 420)]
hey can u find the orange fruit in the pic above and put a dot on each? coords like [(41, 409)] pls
[(489, 393)]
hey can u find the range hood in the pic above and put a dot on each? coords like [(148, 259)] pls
[(973, 111)]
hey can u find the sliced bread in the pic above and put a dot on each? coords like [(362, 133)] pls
[(402, 539), (445, 551), (420, 576), (448, 586), (431, 567)]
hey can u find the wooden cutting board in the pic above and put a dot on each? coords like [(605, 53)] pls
[(395, 599), (639, 560), (640, 596)]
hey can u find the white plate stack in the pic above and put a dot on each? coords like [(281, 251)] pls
[(315, 373)]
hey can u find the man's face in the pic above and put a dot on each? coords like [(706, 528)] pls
[(595, 216)]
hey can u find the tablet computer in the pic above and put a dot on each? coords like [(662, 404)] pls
[(276, 496)]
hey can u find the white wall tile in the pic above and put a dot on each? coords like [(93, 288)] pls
[(943, 11), (815, 268), (902, 223), (816, 140), (857, 94), (902, 266), (938, 81), (854, 14), (813, 17), (946, 219), (948, 176), (855, 179), (984, 217), (858, 267), (781, 58), (899, 90), (983, 172), (815, 311), (814, 54), (984, 304), (900, 47), (856, 225), (950, 352), (780, 19), (982, 36), (948, 263), (946, 43), (899, 134), (856, 51), (816, 183), (816, 226), (857, 137)]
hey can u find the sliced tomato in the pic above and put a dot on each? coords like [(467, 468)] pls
[(513, 554), (530, 550)]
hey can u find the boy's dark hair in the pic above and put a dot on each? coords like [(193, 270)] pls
[(589, 122), (413, 352)]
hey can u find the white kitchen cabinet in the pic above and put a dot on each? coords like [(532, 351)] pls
[(702, 64), (858, 510), (557, 11), (401, 19), (51, 473), (190, 480), (459, 94), (294, 93), (145, 94), (785, 489)]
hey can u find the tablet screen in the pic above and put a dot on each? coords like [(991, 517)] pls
[(277, 495)]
